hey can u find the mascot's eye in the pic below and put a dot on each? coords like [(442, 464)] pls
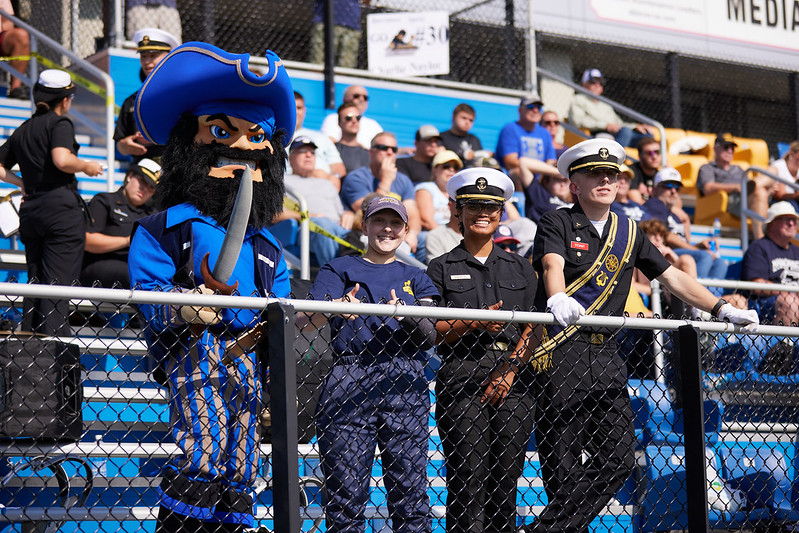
[(258, 138), (219, 132)]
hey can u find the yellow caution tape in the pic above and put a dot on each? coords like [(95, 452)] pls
[(87, 84), (293, 205)]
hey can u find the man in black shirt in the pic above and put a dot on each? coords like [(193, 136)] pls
[(153, 46), (458, 139), (649, 161), (419, 167), (585, 258)]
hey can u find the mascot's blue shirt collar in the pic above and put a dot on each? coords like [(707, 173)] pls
[(182, 212)]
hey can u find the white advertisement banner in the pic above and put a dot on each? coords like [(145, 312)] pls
[(772, 23), (408, 44)]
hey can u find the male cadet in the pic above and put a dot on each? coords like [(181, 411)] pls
[(232, 130), (585, 258), (153, 46)]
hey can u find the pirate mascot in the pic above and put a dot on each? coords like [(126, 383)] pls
[(224, 128)]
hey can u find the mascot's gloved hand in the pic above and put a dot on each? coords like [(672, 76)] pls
[(206, 316), (565, 308), (745, 317)]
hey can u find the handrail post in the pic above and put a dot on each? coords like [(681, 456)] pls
[(690, 399), (283, 394)]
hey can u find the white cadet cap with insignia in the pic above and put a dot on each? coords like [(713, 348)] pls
[(590, 155), (667, 174), (148, 169), (153, 39), (480, 183)]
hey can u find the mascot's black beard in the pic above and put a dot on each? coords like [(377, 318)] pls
[(184, 177)]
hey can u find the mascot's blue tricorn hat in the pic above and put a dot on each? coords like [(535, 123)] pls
[(202, 79)]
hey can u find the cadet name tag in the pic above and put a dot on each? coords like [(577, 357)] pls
[(579, 245), (460, 276)]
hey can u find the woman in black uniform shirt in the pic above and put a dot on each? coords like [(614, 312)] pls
[(52, 221), (484, 433), (112, 217)]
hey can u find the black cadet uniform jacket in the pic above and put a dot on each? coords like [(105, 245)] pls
[(463, 281), (569, 233)]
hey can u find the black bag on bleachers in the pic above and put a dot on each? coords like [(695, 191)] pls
[(40, 390)]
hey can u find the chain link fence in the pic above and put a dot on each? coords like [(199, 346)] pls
[(89, 437)]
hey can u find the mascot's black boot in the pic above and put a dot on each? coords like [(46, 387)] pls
[(172, 522)]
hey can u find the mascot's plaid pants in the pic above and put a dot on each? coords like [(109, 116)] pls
[(214, 409)]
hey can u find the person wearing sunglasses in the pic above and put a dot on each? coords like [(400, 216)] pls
[(353, 154), (551, 122), (650, 159), (587, 112), (525, 138), (427, 144), (484, 434), (358, 95), (722, 175), (382, 176), (663, 206)]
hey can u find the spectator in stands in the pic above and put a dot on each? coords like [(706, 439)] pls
[(598, 117), (775, 259), (504, 238), (649, 162), (52, 218), (329, 165), (787, 168), (580, 369), (662, 206), (112, 215), (14, 42), (431, 196), (623, 205), (419, 166), (353, 154), (551, 122), (525, 138), (376, 394), (551, 192), (721, 175), (382, 176), (160, 14), (346, 32), (444, 238), (358, 95), (324, 204), (153, 46), (484, 423), (458, 138)]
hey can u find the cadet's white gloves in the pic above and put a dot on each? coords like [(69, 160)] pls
[(565, 308), (745, 317)]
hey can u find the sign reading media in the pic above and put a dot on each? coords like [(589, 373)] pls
[(772, 23), (408, 44)]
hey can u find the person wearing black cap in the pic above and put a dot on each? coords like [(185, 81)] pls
[(112, 215), (376, 394), (585, 257), (722, 175), (52, 221), (153, 45), (484, 438)]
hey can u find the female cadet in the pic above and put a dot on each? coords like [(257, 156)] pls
[(484, 438), (113, 215), (52, 218)]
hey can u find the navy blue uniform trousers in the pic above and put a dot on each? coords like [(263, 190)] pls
[(363, 405)]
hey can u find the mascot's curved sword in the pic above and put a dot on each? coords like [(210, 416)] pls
[(234, 237)]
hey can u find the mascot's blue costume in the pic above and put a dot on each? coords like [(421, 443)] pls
[(222, 125)]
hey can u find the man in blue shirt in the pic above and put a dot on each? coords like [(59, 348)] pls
[(236, 123), (525, 137), (382, 176)]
